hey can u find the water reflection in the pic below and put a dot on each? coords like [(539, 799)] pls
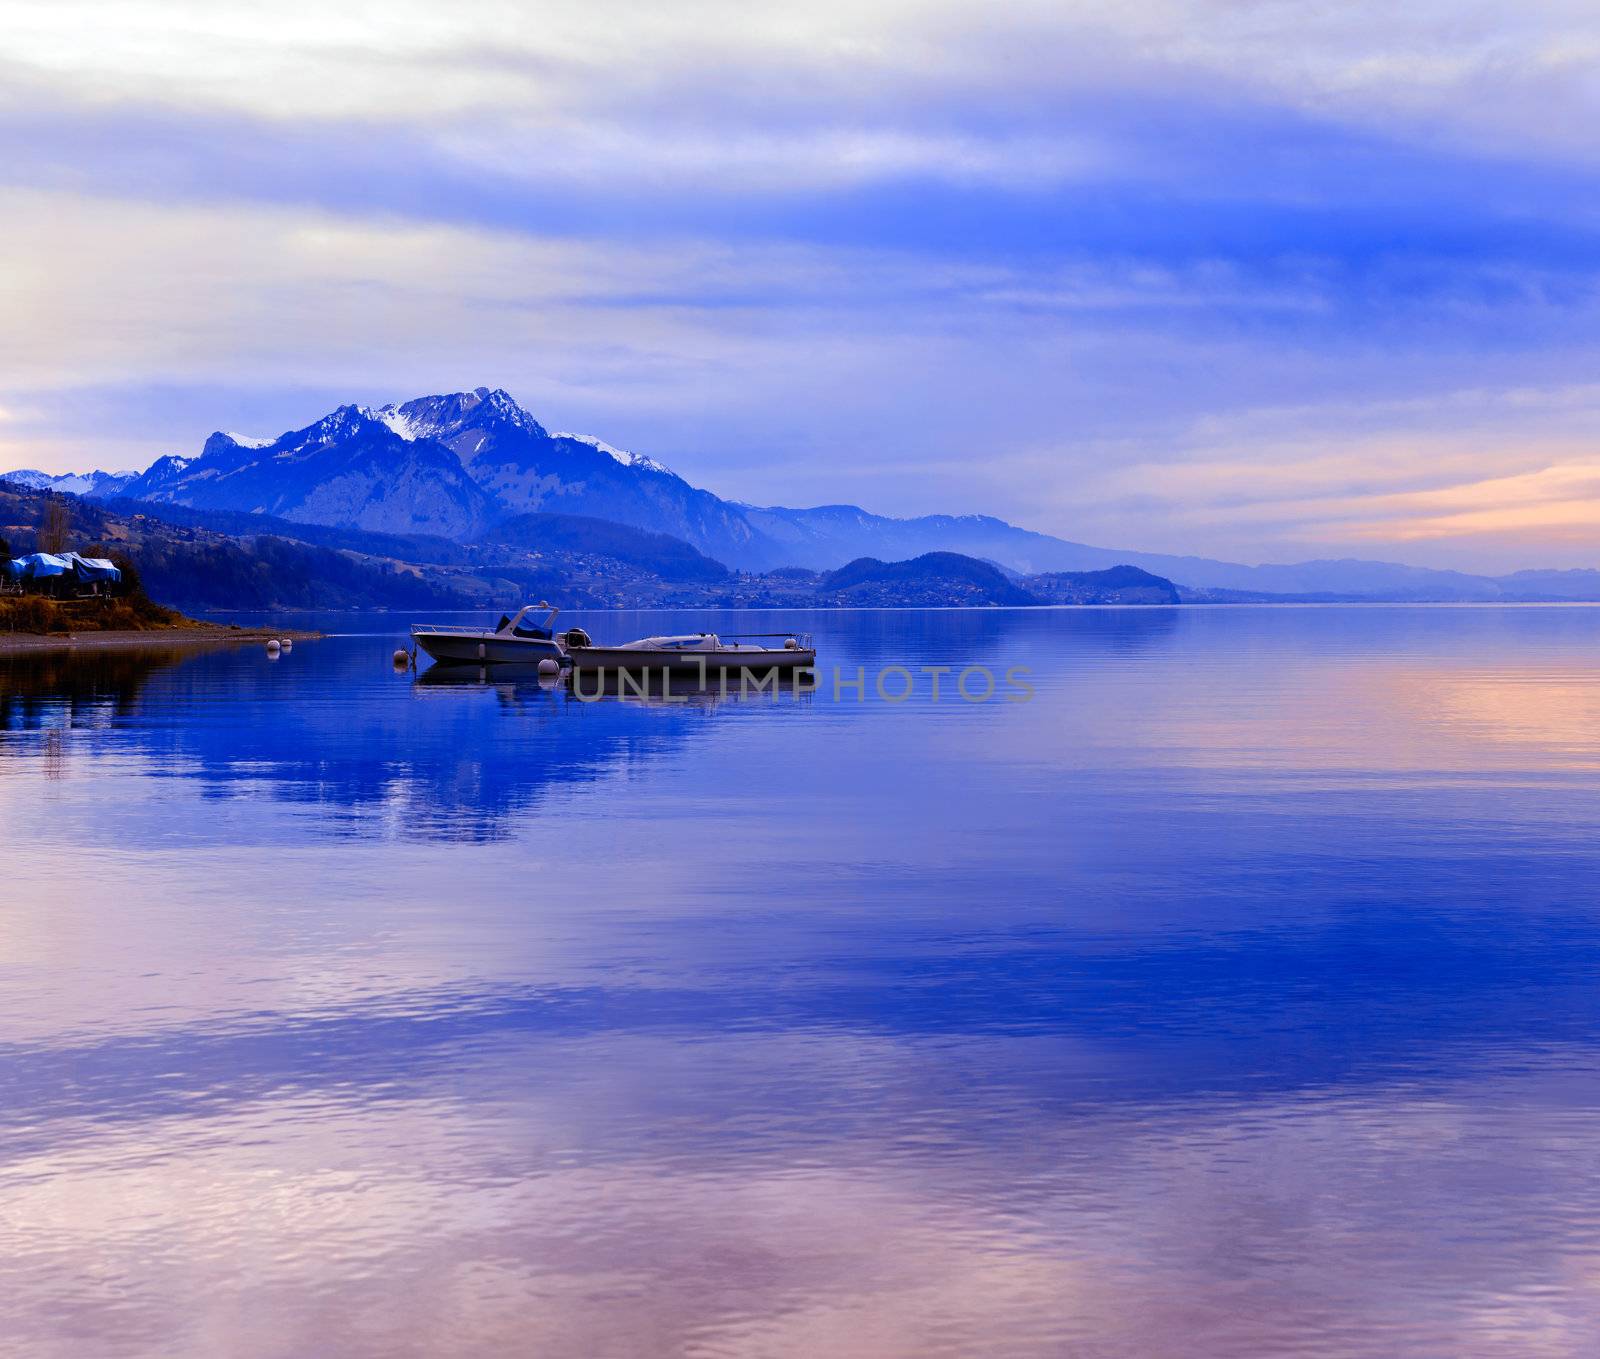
[(1231, 1019), (1232, 997), (43, 690), (329, 730), (524, 683)]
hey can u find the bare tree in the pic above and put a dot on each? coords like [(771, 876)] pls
[(53, 526)]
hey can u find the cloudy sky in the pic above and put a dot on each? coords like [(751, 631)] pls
[(1258, 280)]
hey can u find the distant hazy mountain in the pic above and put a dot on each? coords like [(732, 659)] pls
[(936, 579), (1118, 585), (942, 579), (1546, 585), (92, 485), (457, 465)]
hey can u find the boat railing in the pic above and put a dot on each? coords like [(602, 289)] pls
[(453, 629), (803, 638), (466, 630)]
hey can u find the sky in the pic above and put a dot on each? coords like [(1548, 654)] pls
[(1262, 281)]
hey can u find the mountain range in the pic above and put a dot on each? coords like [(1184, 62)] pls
[(225, 560), (464, 466), (93, 485)]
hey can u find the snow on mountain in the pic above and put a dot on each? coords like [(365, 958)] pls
[(391, 417), (457, 464), (621, 455), (349, 468), (162, 473), (444, 417), (95, 485)]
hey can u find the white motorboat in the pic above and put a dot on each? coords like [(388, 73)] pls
[(517, 639), (699, 653)]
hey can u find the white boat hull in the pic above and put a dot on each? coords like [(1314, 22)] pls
[(488, 648), (760, 660)]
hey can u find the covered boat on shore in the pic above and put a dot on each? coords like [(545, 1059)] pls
[(36, 566), (60, 573), (95, 571), (700, 653)]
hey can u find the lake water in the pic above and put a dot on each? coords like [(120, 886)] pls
[(1235, 994)]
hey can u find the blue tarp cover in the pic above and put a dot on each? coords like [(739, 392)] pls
[(93, 568), (37, 565), (40, 565)]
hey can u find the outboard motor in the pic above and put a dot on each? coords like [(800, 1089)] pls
[(576, 637)]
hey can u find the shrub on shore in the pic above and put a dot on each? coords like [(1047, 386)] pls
[(31, 613), (124, 613)]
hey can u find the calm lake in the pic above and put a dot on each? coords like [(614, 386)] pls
[(1233, 994)]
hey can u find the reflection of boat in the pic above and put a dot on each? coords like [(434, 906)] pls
[(649, 687), (653, 688), (700, 654), (513, 673), (515, 639)]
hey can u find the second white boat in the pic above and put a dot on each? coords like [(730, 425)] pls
[(700, 653)]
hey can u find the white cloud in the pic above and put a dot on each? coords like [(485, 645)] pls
[(862, 79), (1175, 376)]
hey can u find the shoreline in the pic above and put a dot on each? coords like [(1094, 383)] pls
[(15, 643)]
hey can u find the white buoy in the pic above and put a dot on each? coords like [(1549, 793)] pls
[(402, 656), (287, 644), (273, 648), (548, 666)]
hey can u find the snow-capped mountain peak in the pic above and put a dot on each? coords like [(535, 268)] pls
[(397, 422), (94, 484), (505, 406), (622, 455), (447, 416), (345, 421), (450, 463), (34, 479)]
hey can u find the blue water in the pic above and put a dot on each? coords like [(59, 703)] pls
[(1235, 993)]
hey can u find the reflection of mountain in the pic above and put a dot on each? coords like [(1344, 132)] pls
[(330, 729), (419, 767), (373, 753), (333, 729)]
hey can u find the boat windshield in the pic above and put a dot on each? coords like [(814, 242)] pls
[(523, 626)]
